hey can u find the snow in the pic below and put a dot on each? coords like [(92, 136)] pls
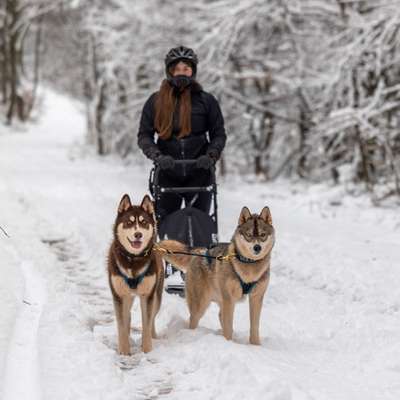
[(330, 323)]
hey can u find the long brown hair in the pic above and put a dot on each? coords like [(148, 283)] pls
[(165, 105)]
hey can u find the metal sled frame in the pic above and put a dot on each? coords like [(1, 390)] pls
[(156, 190)]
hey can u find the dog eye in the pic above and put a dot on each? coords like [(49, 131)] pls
[(246, 235)]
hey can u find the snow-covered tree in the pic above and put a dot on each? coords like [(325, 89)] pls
[(20, 37), (357, 127), (309, 88)]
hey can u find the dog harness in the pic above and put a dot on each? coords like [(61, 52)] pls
[(137, 280), (133, 283), (247, 287)]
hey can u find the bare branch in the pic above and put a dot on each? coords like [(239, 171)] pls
[(5, 233)]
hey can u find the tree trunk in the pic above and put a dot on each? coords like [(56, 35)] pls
[(304, 131), (38, 42), (4, 58), (13, 78), (14, 60), (365, 172), (100, 109)]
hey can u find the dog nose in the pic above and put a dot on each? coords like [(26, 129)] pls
[(257, 248), (138, 235)]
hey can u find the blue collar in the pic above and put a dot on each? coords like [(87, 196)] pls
[(133, 283)]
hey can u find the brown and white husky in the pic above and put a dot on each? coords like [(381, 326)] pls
[(135, 269), (228, 271)]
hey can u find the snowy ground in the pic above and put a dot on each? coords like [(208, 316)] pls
[(330, 324)]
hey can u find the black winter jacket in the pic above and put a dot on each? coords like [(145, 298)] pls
[(206, 117)]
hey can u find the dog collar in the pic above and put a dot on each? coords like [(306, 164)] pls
[(133, 283), (131, 256), (244, 259)]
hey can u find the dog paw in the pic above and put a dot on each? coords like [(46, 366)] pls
[(124, 352), (228, 336), (146, 347), (255, 341)]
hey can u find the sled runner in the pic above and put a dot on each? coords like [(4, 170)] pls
[(189, 225)]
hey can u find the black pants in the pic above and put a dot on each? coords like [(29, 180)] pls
[(170, 202)]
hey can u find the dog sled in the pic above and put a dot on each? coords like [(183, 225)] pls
[(189, 225)]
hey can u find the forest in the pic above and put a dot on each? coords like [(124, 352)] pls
[(310, 89)]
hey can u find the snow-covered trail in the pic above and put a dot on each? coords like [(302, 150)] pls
[(22, 360), (330, 323)]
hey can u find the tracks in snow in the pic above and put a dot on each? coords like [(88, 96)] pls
[(87, 280), (22, 380)]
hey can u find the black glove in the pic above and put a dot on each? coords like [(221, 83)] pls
[(213, 154), (205, 162), (153, 153), (165, 162)]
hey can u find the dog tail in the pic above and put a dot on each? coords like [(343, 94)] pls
[(170, 251)]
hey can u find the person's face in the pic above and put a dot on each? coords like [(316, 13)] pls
[(182, 69)]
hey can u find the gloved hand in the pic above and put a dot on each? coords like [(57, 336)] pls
[(153, 153), (205, 162), (165, 162)]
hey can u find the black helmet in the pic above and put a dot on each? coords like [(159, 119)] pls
[(181, 53)]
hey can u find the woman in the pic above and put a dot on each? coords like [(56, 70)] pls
[(181, 114)]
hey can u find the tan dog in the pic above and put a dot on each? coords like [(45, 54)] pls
[(134, 269), (229, 271)]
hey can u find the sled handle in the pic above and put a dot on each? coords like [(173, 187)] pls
[(157, 169), (187, 189)]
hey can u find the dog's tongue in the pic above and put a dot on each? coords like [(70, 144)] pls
[(136, 244)]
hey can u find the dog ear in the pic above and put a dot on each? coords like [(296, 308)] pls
[(265, 215), (124, 204), (147, 205), (245, 215)]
